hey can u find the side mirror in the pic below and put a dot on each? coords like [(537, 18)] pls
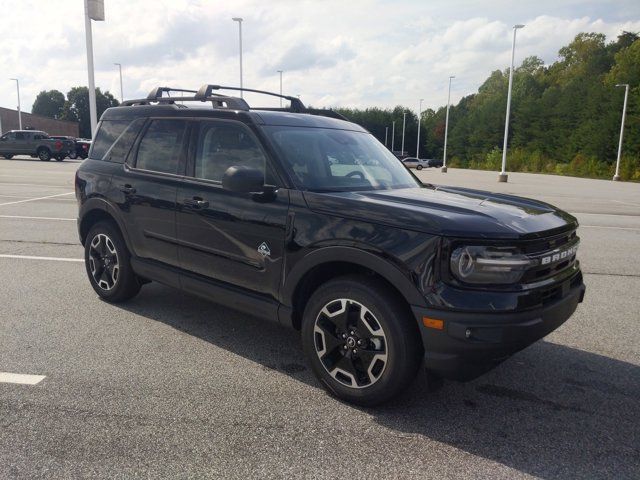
[(243, 179)]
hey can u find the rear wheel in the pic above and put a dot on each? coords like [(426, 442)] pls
[(108, 265), (419, 167), (60, 158), (44, 154), (360, 340)]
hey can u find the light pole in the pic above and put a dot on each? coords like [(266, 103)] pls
[(93, 10), (503, 174), (121, 90), (239, 20), (446, 128), (19, 113), (393, 134), (280, 72), (419, 119), (386, 134), (404, 121), (616, 177)]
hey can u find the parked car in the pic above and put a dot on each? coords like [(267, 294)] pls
[(82, 148), (69, 142), (413, 162), (434, 162), (377, 271), (34, 143)]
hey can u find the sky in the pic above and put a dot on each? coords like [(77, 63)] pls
[(354, 53)]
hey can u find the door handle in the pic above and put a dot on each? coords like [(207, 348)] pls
[(127, 189), (196, 203)]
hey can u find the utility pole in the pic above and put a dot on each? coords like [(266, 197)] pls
[(280, 72), (404, 121), (616, 177), (393, 134), (93, 10), (503, 174), (121, 90), (239, 20), (19, 112), (419, 119), (446, 128), (386, 133)]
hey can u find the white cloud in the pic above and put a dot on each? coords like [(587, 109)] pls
[(334, 53)]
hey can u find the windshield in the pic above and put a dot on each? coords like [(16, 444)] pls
[(323, 159)]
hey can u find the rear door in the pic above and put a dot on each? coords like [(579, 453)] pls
[(147, 187), (22, 143), (236, 238)]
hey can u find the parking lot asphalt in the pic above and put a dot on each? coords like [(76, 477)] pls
[(170, 386)]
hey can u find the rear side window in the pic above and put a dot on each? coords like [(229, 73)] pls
[(108, 132), (161, 145), (121, 147)]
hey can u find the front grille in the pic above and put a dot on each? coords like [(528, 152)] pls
[(547, 247)]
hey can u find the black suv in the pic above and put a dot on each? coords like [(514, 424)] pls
[(301, 217)]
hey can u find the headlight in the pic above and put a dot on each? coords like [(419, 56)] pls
[(485, 264)]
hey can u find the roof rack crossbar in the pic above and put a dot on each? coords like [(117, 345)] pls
[(296, 104), (158, 91)]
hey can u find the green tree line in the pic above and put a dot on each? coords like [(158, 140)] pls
[(75, 107), (565, 117)]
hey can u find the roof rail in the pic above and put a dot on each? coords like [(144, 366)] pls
[(205, 94), (296, 105)]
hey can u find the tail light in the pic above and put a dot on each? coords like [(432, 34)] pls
[(58, 145)]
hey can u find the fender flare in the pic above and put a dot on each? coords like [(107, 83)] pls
[(101, 204), (383, 267)]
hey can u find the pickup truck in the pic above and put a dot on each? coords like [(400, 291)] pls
[(34, 143)]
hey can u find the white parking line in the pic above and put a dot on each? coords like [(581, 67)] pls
[(35, 199), (38, 218), (22, 379), (612, 228), (30, 257), (33, 185)]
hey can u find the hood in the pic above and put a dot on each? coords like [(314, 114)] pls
[(448, 211)]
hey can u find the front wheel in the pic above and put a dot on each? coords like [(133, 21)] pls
[(73, 155), (108, 265), (44, 154), (361, 341), (419, 167)]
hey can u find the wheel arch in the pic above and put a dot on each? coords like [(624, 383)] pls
[(95, 210), (327, 263)]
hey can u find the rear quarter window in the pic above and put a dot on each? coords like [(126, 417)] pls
[(120, 149), (108, 132)]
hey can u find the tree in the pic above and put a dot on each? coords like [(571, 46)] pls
[(76, 108), (49, 103)]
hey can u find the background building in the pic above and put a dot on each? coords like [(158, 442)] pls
[(9, 121)]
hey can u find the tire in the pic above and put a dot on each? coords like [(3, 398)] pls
[(108, 264), (365, 362), (44, 154), (8, 156), (419, 167), (73, 155), (60, 158)]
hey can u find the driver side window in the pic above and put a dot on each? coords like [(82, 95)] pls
[(221, 146)]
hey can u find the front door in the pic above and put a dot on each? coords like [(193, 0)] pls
[(236, 238)]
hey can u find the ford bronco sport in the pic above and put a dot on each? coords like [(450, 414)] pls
[(301, 217)]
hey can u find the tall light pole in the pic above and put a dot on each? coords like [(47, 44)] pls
[(239, 20), (404, 121), (386, 134), (616, 177), (393, 134), (280, 72), (121, 90), (93, 10), (446, 127), (419, 119), (19, 112), (503, 174)]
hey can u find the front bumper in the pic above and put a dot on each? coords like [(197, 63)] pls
[(471, 344)]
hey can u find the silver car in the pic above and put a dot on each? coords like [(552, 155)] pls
[(413, 162)]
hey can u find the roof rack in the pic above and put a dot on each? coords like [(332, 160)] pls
[(205, 94)]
